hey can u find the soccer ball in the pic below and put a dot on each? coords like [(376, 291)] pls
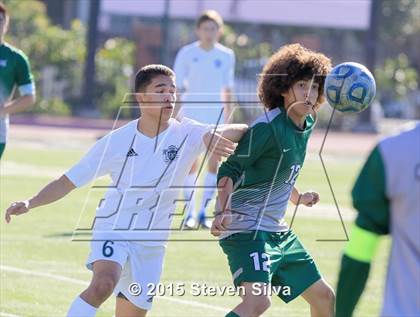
[(350, 87)]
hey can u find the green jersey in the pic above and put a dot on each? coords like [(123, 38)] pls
[(14, 72), (264, 169), (387, 197)]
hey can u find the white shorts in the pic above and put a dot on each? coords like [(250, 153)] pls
[(141, 267)]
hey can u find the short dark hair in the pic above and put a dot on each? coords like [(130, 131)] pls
[(146, 74), (288, 65), (210, 15)]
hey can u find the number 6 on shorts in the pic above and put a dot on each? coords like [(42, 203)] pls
[(107, 249)]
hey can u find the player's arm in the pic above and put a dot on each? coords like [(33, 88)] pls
[(222, 141), (54, 191), (233, 132), (253, 144), (19, 104), (308, 198), (25, 82), (223, 214), (91, 166), (371, 202)]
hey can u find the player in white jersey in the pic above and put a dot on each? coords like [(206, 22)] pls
[(387, 198), (147, 160), (205, 75)]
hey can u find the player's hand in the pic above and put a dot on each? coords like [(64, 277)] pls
[(309, 199), (220, 223), (17, 208), (218, 145)]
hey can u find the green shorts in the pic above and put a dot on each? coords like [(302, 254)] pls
[(276, 258)]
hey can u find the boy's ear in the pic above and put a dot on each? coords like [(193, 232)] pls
[(139, 96), (220, 33)]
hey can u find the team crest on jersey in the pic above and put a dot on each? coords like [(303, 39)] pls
[(170, 154), (217, 63), (3, 62)]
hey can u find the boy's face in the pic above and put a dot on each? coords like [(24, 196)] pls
[(158, 99), (208, 32), (301, 97)]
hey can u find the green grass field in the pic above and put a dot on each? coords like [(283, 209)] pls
[(42, 270)]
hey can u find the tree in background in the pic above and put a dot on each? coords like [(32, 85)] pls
[(47, 45), (57, 57), (114, 64)]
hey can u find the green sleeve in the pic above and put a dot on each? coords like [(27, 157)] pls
[(369, 195), (351, 283), (252, 145), (23, 73)]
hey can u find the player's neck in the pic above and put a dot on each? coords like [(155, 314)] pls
[(207, 46), (298, 120), (150, 127)]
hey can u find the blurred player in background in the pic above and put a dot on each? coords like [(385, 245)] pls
[(148, 160), (205, 75), (15, 71), (387, 198), (257, 181)]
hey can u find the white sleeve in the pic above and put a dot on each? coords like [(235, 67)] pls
[(181, 69), (197, 130), (95, 163), (27, 89), (229, 74)]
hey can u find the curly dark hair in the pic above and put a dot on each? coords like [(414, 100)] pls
[(288, 65)]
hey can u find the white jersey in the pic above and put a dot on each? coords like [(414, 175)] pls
[(203, 74), (147, 175)]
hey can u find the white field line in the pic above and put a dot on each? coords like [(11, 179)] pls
[(84, 283), (3, 314)]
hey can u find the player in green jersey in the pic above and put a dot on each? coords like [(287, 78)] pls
[(14, 72), (386, 196), (257, 181)]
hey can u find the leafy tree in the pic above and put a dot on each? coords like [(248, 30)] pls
[(47, 45), (114, 73)]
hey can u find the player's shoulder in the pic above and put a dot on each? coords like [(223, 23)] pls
[(14, 52), (187, 123), (224, 50), (405, 139), (262, 126), (264, 120), (122, 133)]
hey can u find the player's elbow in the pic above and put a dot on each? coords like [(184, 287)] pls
[(243, 128), (29, 101), (32, 99), (66, 183)]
